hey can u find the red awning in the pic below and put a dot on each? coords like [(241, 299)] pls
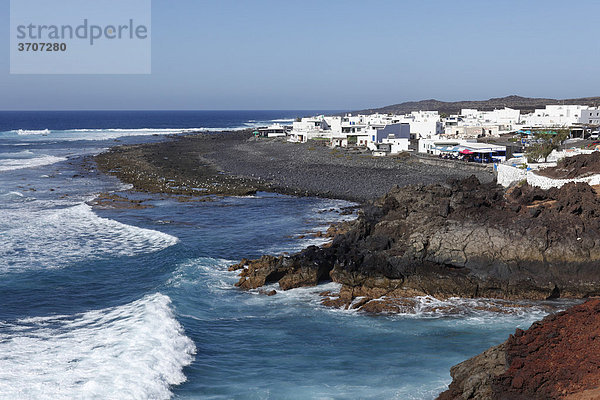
[(466, 151)]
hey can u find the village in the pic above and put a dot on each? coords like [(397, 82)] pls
[(503, 139)]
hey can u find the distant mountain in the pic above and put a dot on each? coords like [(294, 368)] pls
[(525, 104)]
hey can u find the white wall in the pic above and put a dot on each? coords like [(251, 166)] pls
[(544, 182), (507, 174), (398, 145)]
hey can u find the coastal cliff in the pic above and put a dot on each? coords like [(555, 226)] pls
[(557, 358), (464, 239)]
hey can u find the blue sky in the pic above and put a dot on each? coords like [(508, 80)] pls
[(335, 54)]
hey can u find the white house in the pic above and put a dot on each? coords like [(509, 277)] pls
[(397, 145), (399, 130), (424, 124), (396, 138), (351, 130), (591, 116), (555, 116), (505, 118), (471, 131), (275, 130), (309, 128)]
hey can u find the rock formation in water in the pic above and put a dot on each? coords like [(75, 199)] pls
[(463, 239)]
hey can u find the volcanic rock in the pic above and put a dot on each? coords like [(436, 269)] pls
[(557, 358), (463, 239)]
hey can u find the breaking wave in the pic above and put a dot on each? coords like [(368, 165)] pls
[(12, 164), (134, 351), (51, 238), (25, 132)]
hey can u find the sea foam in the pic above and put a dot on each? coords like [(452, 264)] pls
[(11, 164), (134, 351), (52, 238), (27, 132)]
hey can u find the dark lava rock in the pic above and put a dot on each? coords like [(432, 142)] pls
[(574, 167), (463, 239)]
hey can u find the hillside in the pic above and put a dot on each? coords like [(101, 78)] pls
[(525, 104)]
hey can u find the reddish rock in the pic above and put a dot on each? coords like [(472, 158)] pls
[(555, 357), (558, 357)]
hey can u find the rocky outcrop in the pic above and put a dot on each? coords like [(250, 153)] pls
[(557, 358), (473, 379), (463, 239), (578, 166)]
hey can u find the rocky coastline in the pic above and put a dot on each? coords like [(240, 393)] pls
[(462, 239), (556, 358), (436, 232), (236, 163)]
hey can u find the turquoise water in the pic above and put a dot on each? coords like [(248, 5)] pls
[(107, 303)]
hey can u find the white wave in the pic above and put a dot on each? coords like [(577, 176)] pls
[(134, 351), (139, 131), (116, 133), (108, 134), (19, 154), (18, 194), (304, 295), (463, 311), (211, 273), (481, 310), (283, 120), (25, 132), (12, 164), (52, 238)]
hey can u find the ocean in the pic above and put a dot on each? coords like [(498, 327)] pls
[(109, 303)]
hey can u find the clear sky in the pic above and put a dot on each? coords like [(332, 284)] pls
[(335, 54)]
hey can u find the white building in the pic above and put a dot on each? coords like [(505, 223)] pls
[(275, 130), (399, 130), (591, 116), (309, 128), (478, 151), (472, 123), (350, 130), (394, 137), (505, 118), (434, 146), (424, 124), (397, 145), (471, 131), (555, 116)]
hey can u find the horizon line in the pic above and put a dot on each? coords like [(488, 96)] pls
[(167, 110)]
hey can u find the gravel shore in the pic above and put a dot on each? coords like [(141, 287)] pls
[(236, 163)]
